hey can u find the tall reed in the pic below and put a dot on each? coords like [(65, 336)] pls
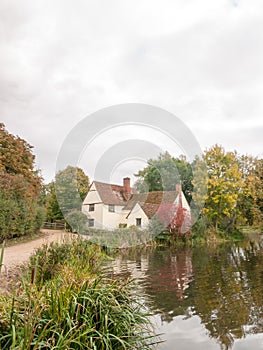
[(2, 256), (74, 308)]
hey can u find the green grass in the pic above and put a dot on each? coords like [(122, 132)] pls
[(23, 239), (67, 303)]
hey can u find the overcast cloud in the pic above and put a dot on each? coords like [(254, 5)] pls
[(200, 60)]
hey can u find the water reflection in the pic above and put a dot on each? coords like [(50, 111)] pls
[(221, 287)]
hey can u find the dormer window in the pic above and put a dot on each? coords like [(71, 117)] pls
[(91, 207), (111, 208)]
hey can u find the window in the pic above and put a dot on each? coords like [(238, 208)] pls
[(111, 208), (138, 222), (91, 207), (91, 222)]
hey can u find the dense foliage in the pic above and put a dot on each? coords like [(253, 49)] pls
[(163, 173), (175, 220), (20, 186), (66, 304), (65, 195), (226, 188), (234, 189)]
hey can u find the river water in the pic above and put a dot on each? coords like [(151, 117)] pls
[(207, 298)]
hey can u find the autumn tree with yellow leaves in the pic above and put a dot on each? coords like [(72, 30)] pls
[(224, 185)]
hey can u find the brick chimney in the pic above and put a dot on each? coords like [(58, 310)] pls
[(127, 188), (178, 188)]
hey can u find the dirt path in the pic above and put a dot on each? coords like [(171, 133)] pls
[(20, 253)]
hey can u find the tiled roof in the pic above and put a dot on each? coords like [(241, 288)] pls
[(151, 201), (111, 194), (150, 209)]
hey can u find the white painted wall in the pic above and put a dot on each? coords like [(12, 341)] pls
[(187, 222), (93, 198), (112, 220), (137, 212), (103, 218)]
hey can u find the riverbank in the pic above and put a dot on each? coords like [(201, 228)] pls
[(63, 299)]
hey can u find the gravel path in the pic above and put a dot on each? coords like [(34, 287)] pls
[(20, 253)]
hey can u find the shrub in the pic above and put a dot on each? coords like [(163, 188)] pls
[(120, 237), (49, 260), (77, 221)]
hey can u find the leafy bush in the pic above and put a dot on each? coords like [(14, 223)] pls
[(77, 221), (49, 260), (120, 237)]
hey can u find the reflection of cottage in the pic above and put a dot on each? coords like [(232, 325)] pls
[(131, 268), (111, 206)]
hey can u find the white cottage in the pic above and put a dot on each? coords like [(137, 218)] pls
[(110, 206)]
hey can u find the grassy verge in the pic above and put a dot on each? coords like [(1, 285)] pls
[(65, 302), (23, 239)]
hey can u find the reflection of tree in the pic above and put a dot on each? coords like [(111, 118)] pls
[(228, 293)]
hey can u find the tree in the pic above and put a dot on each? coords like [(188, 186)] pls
[(66, 193), (77, 221), (16, 158), (163, 173), (250, 199), (259, 186), (20, 186), (224, 187), (200, 183), (175, 219), (53, 210)]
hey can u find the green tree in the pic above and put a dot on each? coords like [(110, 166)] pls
[(53, 210), (163, 173), (77, 221), (200, 183), (66, 193), (259, 186), (250, 199)]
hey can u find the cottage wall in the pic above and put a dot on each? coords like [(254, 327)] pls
[(135, 213), (93, 198), (112, 220)]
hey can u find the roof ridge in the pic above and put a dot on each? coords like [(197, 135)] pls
[(106, 183)]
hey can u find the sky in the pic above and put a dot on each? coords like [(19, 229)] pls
[(62, 60)]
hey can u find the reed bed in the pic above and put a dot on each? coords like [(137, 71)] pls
[(119, 238), (65, 302)]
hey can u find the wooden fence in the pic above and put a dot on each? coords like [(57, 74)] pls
[(54, 225)]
